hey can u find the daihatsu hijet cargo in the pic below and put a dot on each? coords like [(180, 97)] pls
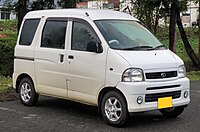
[(98, 57)]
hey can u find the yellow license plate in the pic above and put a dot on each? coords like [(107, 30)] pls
[(165, 102)]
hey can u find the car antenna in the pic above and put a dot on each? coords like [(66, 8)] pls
[(87, 14)]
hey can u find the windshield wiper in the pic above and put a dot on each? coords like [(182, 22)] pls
[(159, 46), (138, 47)]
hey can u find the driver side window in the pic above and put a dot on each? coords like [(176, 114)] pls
[(81, 36)]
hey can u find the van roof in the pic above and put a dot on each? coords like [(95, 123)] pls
[(94, 14)]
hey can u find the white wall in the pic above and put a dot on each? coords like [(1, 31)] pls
[(194, 13), (95, 4), (13, 16)]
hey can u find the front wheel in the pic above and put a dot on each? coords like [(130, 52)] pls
[(172, 112), (114, 109), (27, 93)]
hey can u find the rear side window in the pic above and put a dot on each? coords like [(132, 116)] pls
[(28, 31), (53, 35)]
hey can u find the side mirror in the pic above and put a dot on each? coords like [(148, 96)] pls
[(94, 46)]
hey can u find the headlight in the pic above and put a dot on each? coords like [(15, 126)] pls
[(181, 71), (133, 75)]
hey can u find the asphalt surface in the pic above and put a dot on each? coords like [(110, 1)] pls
[(53, 114)]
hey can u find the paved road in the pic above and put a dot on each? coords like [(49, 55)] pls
[(60, 115)]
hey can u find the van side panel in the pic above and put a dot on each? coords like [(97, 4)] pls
[(24, 56), (50, 69), (24, 66)]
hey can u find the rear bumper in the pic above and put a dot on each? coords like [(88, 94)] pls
[(14, 78), (132, 90)]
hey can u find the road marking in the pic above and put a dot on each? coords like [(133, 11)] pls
[(32, 115), (27, 117), (10, 110), (195, 91)]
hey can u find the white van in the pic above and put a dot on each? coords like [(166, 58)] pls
[(98, 57)]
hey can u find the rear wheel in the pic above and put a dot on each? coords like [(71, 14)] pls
[(114, 109), (27, 93), (172, 112)]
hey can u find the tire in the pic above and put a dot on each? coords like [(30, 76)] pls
[(172, 112), (27, 93), (114, 109)]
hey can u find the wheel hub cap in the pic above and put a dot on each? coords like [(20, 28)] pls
[(25, 92), (113, 109)]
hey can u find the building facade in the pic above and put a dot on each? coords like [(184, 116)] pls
[(191, 15), (5, 13)]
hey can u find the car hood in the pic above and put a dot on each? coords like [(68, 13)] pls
[(152, 59)]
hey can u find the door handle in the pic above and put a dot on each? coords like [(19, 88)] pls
[(61, 58), (70, 57)]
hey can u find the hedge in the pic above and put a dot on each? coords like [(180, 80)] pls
[(8, 29), (6, 56)]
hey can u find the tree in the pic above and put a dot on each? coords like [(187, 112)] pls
[(67, 3), (8, 3), (198, 2), (175, 8), (186, 43), (182, 6), (199, 31), (150, 11), (21, 8), (42, 4), (172, 26)]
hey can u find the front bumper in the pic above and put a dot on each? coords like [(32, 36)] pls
[(132, 90)]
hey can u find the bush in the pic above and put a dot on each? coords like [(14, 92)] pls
[(8, 25), (6, 58), (192, 35), (8, 29)]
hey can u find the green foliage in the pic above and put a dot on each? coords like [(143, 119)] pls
[(193, 75), (5, 83), (150, 11), (8, 25), (42, 4), (8, 28), (192, 35), (6, 59), (9, 4)]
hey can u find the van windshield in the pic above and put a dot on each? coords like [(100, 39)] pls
[(128, 35)]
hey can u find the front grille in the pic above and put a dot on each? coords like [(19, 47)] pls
[(154, 97), (158, 75), (163, 87)]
